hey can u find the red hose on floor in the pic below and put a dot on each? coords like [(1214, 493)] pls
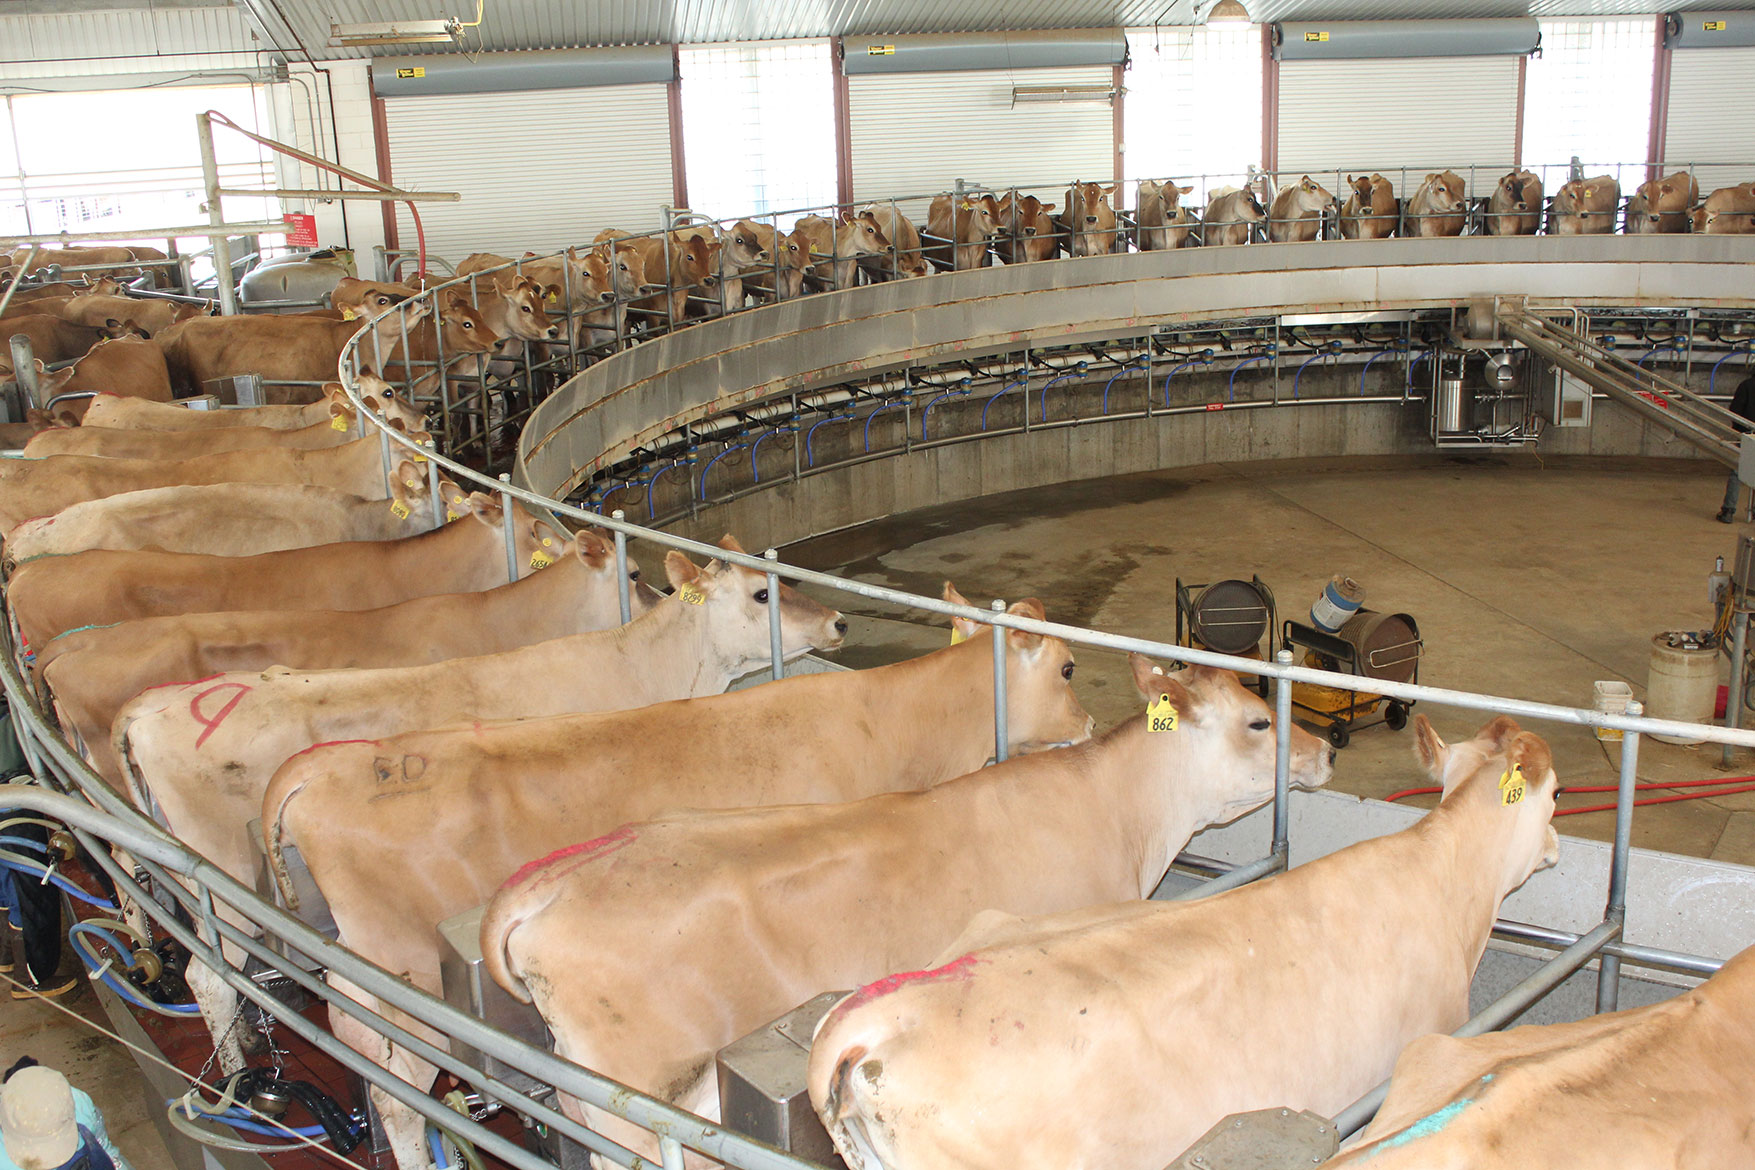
[(1722, 786)]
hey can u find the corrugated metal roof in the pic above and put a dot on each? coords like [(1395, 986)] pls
[(71, 40)]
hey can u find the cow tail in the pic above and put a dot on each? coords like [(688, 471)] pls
[(274, 829), (844, 1116), (838, 1100), (509, 910)]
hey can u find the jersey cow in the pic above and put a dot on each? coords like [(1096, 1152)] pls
[(1027, 230), (280, 348), (135, 443), (1586, 206), (1090, 220), (1163, 221), (1231, 214), (130, 367), (537, 785), (1371, 210), (1728, 211), (1295, 215), (909, 260), (836, 245), (1438, 206), (1097, 822), (1308, 984), (115, 410), (967, 223), (1515, 207), (1662, 205)]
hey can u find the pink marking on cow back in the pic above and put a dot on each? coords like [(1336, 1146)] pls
[(958, 970), (328, 743), (210, 723), (585, 851)]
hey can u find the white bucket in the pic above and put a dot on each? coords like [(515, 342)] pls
[(1612, 699), (1683, 685)]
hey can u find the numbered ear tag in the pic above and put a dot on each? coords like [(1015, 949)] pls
[(1161, 715), (957, 634), (349, 314), (553, 297), (540, 560), (399, 509), (337, 422), (691, 596), (968, 206), (1511, 786), (450, 515)]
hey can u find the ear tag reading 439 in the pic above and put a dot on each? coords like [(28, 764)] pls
[(1161, 715), (691, 596), (1511, 786)]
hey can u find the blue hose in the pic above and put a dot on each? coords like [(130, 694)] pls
[(1079, 373), (648, 484), (243, 1119), (127, 991), (809, 455), (881, 408), (755, 448), (1231, 382), (1024, 381), (1672, 345), (1137, 365), (714, 460), (1408, 384), (1712, 382), (927, 413), (1174, 370), (66, 887), (1366, 368)]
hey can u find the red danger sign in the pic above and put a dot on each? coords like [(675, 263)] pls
[(301, 229)]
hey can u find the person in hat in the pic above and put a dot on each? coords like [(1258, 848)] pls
[(1743, 406), (47, 1124)]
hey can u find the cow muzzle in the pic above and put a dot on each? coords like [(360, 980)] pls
[(1090, 219)]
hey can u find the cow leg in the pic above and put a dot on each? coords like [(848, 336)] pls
[(219, 1011), (405, 1129)]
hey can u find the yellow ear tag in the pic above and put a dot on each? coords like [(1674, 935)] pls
[(957, 635), (338, 423), (450, 515), (399, 509), (553, 297), (540, 560), (1161, 715), (1511, 786), (968, 206), (691, 596), (349, 314)]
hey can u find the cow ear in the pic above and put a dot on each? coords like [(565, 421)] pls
[(343, 410), (1430, 750), (846, 217), (679, 570), (1050, 206), (1022, 640), (591, 548), (484, 508), (1188, 190), (729, 543), (962, 628), (1146, 675), (1500, 732), (455, 498), (1532, 754), (409, 483)]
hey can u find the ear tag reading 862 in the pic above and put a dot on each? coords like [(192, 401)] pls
[(1161, 715), (1511, 786), (691, 596)]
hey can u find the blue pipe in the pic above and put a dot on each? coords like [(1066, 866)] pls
[(1366, 368), (1408, 385), (1231, 382), (1079, 373), (1712, 382), (1138, 364), (126, 990), (1673, 344), (927, 413), (881, 408), (649, 483), (1024, 381), (66, 887), (809, 456), (755, 474), (1331, 348), (715, 459), (1174, 370)]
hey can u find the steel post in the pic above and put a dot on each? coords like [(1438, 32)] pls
[(1734, 701), (24, 368), (1609, 972), (222, 248), (776, 643), (18, 278), (1001, 733), (622, 584), (506, 525), (1282, 757)]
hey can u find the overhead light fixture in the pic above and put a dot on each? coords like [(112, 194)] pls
[(397, 32), (1022, 94), (1227, 10)]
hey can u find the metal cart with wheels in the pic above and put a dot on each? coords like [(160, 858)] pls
[(1231, 617), (1371, 645)]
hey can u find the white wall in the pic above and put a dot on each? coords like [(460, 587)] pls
[(348, 139)]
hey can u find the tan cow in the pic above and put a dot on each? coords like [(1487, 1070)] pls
[(1295, 215), (111, 260), (114, 410), (1230, 214), (1438, 207), (102, 587), (130, 367), (116, 312), (759, 250), (909, 259), (41, 487), (677, 264), (968, 224), (279, 347), (229, 519), (136, 443), (836, 245), (460, 333), (1586, 206), (1371, 210), (15, 435), (1045, 832), (55, 339), (1515, 208), (1728, 211), (356, 298), (566, 779), (1663, 1087), (1163, 221), (1090, 221), (1066, 1040), (1662, 205), (1027, 230)]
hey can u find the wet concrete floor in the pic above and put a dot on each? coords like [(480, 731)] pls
[(1528, 577)]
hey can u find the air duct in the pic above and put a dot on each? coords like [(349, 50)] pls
[(1343, 40), (1001, 50), (1709, 30), (514, 72)]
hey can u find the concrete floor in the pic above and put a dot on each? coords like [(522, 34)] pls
[(1528, 577)]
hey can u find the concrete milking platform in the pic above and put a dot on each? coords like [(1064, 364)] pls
[(1529, 576)]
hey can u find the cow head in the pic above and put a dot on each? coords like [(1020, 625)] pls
[(465, 330), (749, 244), (1505, 777), (1092, 201), (526, 304), (591, 558), (1511, 187), (733, 601), (977, 218), (860, 235), (1205, 730), (1444, 193), (1041, 709), (411, 497), (627, 267), (381, 398)]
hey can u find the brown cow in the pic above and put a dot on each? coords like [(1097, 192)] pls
[(535, 785), (115, 312), (279, 347), (1728, 211), (1587, 206), (1027, 230), (1230, 214), (56, 339), (367, 298), (136, 443), (15, 435), (1439, 207), (1515, 208), (967, 223), (112, 410), (1090, 221), (1163, 221), (1371, 210), (836, 245), (1295, 215), (1662, 205), (128, 367), (909, 260)]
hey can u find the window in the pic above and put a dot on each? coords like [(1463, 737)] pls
[(1193, 105), (1588, 95), (759, 127), (148, 177)]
